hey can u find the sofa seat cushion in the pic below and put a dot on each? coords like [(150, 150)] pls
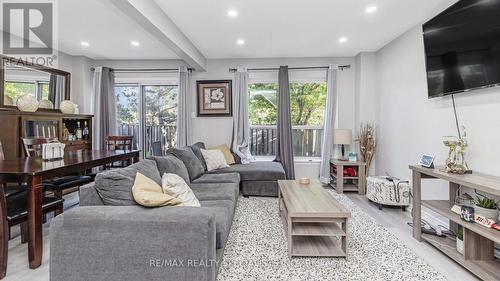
[(169, 164), (115, 186), (219, 178), (255, 171), (223, 211), (216, 191)]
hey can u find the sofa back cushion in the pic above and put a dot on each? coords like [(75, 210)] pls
[(115, 186), (192, 163), (170, 164), (197, 147)]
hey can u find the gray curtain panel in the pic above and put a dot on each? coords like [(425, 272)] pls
[(241, 125), (183, 118), (330, 122), (56, 89), (103, 106), (284, 151)]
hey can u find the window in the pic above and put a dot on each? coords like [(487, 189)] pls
[(149, 113), (15, 89), (307, 103)]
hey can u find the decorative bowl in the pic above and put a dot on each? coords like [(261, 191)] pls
[(67, 107), (27, 103), (46, 104)]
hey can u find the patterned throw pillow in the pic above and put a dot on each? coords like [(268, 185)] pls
[(148, 193), (174, 185), (227, 153), (215, 159)]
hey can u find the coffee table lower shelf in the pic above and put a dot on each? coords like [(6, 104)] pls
[(317, 246)]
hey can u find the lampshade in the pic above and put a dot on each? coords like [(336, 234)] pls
[(342, 136)]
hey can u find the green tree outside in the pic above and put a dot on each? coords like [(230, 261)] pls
[(307, 103)]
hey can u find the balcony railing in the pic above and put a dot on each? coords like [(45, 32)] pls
[(162, 133), (306, 140)]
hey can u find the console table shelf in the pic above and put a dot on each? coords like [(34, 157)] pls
[(479, 241), (484, 269), (443, 208)]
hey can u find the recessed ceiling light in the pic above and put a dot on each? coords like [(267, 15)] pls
[(232, 13), (343, 39), (84, 43), (240, 42), (371, 9), (134, 43)]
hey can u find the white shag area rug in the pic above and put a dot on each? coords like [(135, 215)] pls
[(257, 249)]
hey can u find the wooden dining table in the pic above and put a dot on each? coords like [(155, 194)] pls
[(33, 170)]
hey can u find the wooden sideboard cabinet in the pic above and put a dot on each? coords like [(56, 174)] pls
[(16, 125)]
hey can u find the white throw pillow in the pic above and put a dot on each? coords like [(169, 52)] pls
[(174, 185), (214, 158)]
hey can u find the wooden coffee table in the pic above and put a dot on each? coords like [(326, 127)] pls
[(315, 222)]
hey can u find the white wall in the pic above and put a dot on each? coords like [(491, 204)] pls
[(216, 130), (366, 100), (411, 124)]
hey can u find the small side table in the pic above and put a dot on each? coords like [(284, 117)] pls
[(337, 178)]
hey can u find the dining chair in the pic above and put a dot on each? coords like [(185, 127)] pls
[(32, 148), (119, 143), (156, 147), (14, 211)]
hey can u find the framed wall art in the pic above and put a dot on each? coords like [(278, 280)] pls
[(214, 98)]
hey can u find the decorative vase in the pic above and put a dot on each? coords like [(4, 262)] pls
[(460, 246), (487, 213), (27, 103), (47, 104), (67, 107)]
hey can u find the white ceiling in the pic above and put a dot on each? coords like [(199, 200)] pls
[(295, 28), (108, 31)]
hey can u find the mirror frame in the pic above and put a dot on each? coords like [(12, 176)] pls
[(66, 75)]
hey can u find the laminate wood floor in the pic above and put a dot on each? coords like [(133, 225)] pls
[(393, 219)]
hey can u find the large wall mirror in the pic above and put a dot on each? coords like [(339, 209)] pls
[(19, 79)]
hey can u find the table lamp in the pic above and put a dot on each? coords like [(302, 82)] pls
[(342, 137)]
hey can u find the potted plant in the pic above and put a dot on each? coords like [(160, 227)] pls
[(460, 241), (486, 207)]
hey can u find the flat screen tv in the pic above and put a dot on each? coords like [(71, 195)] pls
[(462, 48)]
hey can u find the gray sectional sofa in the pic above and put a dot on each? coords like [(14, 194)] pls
[(110, 237)]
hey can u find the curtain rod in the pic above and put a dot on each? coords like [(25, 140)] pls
[(341, 67), (144, 69)]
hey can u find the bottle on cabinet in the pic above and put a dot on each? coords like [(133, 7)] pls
[(85, 131), (78, 131)]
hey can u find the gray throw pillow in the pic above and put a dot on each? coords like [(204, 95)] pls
[(192, 163), (115, 186), (173, 165), (197, 151)]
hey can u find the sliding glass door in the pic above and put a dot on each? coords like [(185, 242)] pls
[(149, 113)]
